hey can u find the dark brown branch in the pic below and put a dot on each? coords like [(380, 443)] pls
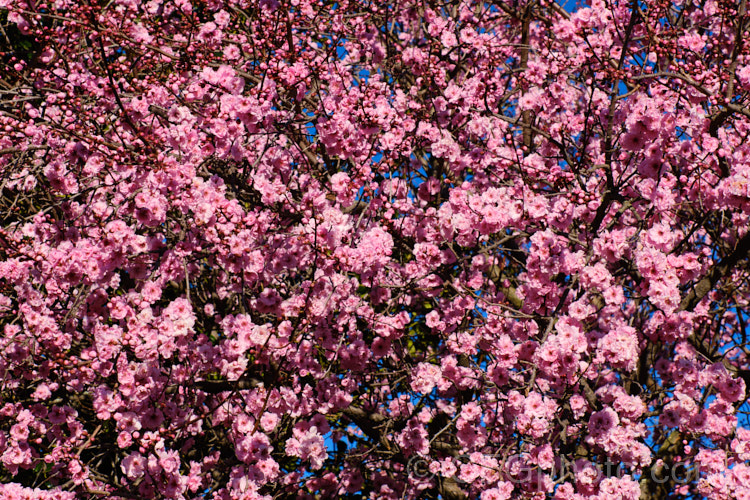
[(718, 271), (219, 386)]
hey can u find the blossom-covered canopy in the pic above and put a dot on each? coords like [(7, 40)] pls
[(262, 249)]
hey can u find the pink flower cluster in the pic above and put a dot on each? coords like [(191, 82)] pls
[(257, 249)]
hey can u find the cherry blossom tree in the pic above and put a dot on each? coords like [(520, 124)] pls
[(361, 249)]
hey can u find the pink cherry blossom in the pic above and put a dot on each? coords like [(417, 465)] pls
[(267, 249)]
